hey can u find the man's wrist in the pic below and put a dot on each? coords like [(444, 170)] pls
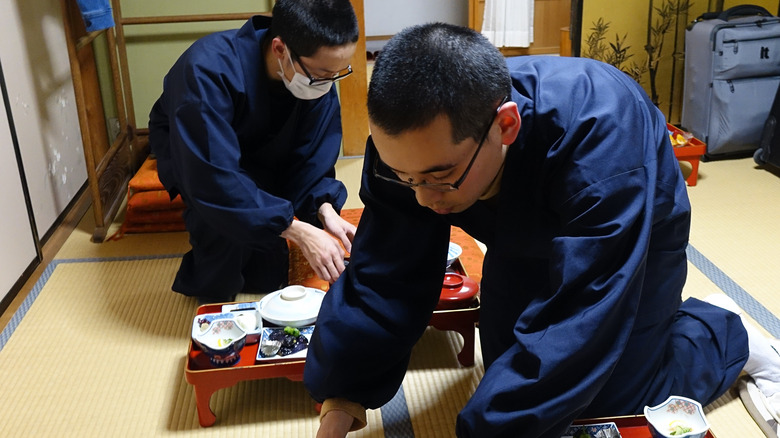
[(355, 410), (325, 210), (294, 231)]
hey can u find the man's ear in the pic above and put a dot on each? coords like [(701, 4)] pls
[(509, 122), (278, 47)]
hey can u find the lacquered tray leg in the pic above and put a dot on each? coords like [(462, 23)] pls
[(203, 394), (460, 321), (466, 355)]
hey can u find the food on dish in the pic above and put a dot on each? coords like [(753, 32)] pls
[(247, 321), (292, 340), (582, 434), (678, 427), (596, 430), (203, 323), (224, 342)]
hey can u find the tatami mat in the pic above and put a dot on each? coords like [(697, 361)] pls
[(734, 249), (99, 346)]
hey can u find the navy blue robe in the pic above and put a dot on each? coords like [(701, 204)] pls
[(581, 286), (245, 155)]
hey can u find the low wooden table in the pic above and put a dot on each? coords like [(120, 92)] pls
[(207, 379), (692, 153)]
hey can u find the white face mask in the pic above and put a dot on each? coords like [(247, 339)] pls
[(299, 85)]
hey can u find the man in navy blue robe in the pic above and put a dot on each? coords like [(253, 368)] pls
[(248, 130), (563, 168)]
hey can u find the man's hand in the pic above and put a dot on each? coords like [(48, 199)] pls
[(335, 424), (322, 250), (336, 225)]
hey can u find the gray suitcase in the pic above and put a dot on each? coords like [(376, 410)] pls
[(732, 72)]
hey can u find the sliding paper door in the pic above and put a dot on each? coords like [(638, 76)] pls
[(17, 247)]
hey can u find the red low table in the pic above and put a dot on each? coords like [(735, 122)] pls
[(207, 379), (691, 153)]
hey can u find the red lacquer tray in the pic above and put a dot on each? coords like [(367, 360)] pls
[(207, 379), (691, 153), (633, 426)]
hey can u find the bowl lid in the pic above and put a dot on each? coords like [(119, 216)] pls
[(294, 305), (457, 291), (452, 280)]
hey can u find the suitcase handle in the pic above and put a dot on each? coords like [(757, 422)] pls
[(736, 11)]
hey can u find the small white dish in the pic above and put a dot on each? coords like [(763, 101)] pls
[(677, 411), (453, 252), (293, 306), (248, 318), (268, 332)]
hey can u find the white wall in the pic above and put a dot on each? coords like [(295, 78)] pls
[(17, 250), (40, 94), (41, 101), (387, 17)]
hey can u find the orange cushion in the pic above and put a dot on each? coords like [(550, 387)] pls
[(153, 200), (301, 272), (472, 256), (154, 216), (146, 178)]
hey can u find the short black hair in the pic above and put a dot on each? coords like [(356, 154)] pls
[(437, 68), (307, 25)]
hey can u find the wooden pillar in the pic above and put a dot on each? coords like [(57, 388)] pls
[(354, 91), (565, 41)]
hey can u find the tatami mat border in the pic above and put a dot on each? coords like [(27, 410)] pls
[(396, 421), (395, 414), (761, 314)]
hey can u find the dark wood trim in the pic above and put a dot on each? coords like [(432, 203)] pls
[(52, 242)]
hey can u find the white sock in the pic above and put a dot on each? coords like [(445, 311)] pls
[(763, 363)]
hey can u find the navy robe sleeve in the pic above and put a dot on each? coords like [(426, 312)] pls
[(311, 180), (379, 307)]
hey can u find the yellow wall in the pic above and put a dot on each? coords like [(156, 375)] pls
[(628, 20), (152, 49)]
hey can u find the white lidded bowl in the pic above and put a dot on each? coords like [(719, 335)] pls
[(294, 305), (676, 410), (453, 253)]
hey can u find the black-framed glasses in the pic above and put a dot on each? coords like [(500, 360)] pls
[(318, 81), (441, 187)]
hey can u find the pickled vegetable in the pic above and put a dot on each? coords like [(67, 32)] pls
[(677, 428)]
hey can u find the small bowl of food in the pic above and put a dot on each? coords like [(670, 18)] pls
[(677, 417), (222, 342), (247, 316), (453, 252)]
